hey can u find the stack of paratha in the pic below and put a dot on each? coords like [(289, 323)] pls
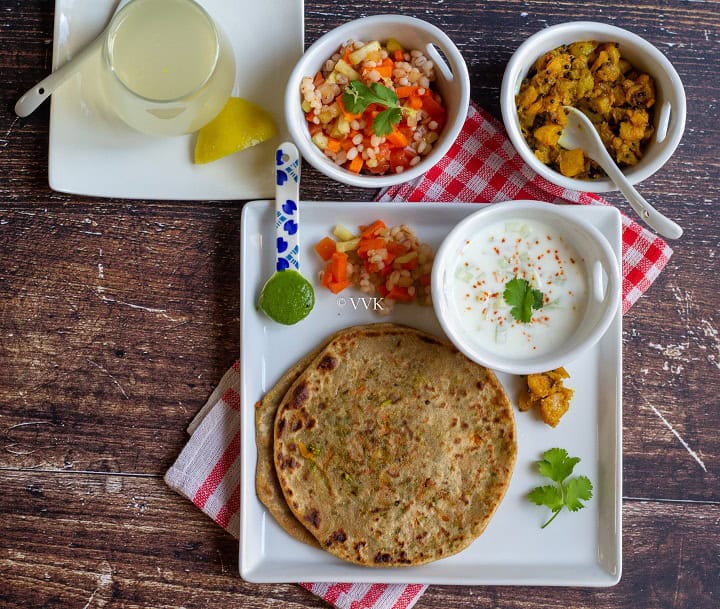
[(385, 447)]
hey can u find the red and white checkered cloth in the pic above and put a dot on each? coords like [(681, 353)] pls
[(482, 166), (207, 472)]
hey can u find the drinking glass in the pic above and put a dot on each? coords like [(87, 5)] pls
[(168, 68)]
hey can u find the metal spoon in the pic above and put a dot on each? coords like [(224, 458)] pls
[(287, 297), (37, 94), (581, 133)]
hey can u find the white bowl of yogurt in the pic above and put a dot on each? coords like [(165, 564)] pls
[(524, 286)]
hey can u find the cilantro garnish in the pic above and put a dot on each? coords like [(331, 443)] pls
[(557, 465), (358, 96), (522, 298)]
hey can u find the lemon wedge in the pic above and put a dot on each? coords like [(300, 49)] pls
[(240, 125)]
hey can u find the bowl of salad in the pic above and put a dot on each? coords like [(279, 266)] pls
[(378, 101)]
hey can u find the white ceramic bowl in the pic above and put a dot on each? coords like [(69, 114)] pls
[(670, 105), (452, 82), (601, 269)]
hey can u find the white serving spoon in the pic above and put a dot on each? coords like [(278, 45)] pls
[(581, 133), (36, 95), (287, 297)]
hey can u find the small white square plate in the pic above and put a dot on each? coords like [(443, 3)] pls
[(577, 549), (93, 153)]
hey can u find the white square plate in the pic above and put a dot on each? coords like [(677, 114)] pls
[(577, 549), (93, 153)]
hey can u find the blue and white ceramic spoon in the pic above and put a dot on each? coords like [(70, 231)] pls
[(287, 297)]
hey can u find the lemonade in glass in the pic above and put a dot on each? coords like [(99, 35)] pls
[(168, 68)]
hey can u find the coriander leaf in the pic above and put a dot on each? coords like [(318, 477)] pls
[(355, 97), (383, 122), (538, 299), (384, 95), (522, 298), (556, 464), (358, 96), (577, 489), (548, 496)]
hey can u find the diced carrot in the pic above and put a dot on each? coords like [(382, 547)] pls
[(318, 80), (339, 266), (416, 102), (385, 69), (395, 248), (400, 157), (338, 286), (410, 265), (356, 164), (346, 144), (365, 245), (310, 116), (403, 92), (333, 145), (397, 138), (398, 54), (424, 280), (434, 109), (374, 228), (346, 56), (326, 276), (401, 294), (325, 248)]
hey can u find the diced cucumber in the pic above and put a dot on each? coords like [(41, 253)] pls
[(500, 335), (347, 246), (346, 69), (406, 257), (320, 141), (361, 54), (343, 233), (393, 45), (463, 274), (518, 227), (343, 125)]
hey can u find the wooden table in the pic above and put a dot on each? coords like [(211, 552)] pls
[(117, 319)]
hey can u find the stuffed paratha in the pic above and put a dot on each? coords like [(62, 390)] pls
[(267, 486), (392, 448)]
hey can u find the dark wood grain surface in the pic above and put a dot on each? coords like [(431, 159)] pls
[(117, 319)]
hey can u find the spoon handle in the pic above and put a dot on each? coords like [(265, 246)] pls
[(35, 96), (654, 219), (287, 210)]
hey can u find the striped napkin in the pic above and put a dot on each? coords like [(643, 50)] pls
[(482, 166)]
